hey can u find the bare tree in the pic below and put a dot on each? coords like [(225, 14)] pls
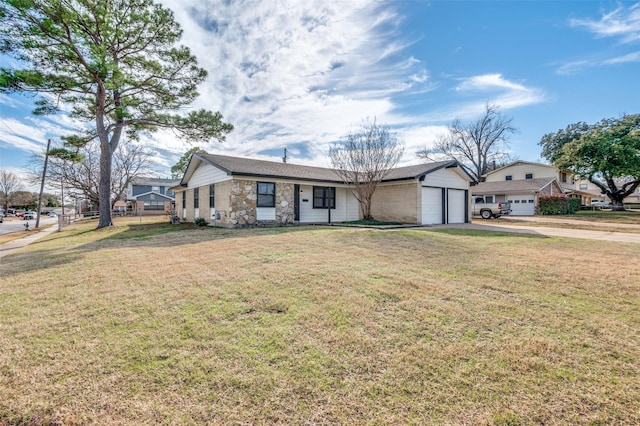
[(477, 145), (9, 186), (364, 158), (82, 171)]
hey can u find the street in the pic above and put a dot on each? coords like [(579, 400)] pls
[(15, 224)]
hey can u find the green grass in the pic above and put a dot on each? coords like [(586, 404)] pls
[(175, 324), (370, 222), (629, 216)]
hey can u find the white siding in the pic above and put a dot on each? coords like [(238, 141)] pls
[(206, 174), (347, 207), (446, 178), (520, 170), (431, 206), (455, 206)]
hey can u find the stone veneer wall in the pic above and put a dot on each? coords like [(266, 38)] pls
[(242, 204), (236, 204), (284, 203)]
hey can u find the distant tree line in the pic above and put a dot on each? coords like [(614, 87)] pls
[(13, 196)]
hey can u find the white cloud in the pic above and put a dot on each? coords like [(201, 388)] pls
[(495, 89), (575, 66), (623, 22), (297, 72)]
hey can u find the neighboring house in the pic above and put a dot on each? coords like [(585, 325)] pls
[(237, 192), (521, 184), (149, 196), (523, 195)]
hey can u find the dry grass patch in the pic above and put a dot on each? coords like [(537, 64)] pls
[(142, 324)]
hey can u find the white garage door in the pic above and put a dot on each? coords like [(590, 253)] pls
[(431, 206), (455, 206), (522, 205)]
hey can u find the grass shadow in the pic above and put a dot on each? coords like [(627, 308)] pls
[(487, 233)]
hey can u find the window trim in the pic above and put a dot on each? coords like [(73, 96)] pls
[(212, 196), (528, 176), (508, 177), (196, 198), (184, 199), (270, 195)]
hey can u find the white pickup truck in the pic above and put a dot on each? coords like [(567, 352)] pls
[(489, 210)]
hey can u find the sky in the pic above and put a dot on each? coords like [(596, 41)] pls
[(300, 74)]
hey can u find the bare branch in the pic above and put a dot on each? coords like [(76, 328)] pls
[(364, 158)]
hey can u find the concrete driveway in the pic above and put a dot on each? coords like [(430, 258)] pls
[(567, 229)]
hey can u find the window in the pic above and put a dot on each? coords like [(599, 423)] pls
[(583, 186), (563, 177), (155, 188), (184, 199), (530, 201), (508, 177), (489, 198), (324, 197), (196, 198), (528, 176), (154, 205), (212, 196), (266, 194)]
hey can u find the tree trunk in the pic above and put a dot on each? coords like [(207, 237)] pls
[(617, 205), (104, 187)]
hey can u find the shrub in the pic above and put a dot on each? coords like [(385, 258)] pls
[(558, 204), (200, 221)]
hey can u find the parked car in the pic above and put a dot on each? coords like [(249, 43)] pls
[(599, 203), (28, 215), (489, 210), (1, 218)]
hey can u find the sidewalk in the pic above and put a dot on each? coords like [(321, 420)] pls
[(569, 232), (14, 245)]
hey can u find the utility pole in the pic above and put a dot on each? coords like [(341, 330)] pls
[(44, 174)]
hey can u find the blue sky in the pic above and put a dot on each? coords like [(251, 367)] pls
[(300, 74)]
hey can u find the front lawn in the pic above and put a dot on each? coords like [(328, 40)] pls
[(175, 324)]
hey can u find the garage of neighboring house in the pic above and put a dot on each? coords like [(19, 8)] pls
[(522, 194), (522, 204)]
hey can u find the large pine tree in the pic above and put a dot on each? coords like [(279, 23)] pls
[(114, 64)]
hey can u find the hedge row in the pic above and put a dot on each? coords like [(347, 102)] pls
[(558, 204)]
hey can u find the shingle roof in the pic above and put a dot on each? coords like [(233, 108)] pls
[(146, 181), (507, 186), (251, 167)]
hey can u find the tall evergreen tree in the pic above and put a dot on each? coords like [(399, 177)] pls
[(115, 65)]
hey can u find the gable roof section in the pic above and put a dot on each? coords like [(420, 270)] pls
[(237, 166), (513, 186), (145, 196)]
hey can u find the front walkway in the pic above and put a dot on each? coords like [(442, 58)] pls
[(11, 246)]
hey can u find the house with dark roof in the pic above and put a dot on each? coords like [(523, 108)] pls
[(238, 192), (521, 183), (149, 196)]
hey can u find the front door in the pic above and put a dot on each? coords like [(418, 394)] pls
[(296, 202)]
